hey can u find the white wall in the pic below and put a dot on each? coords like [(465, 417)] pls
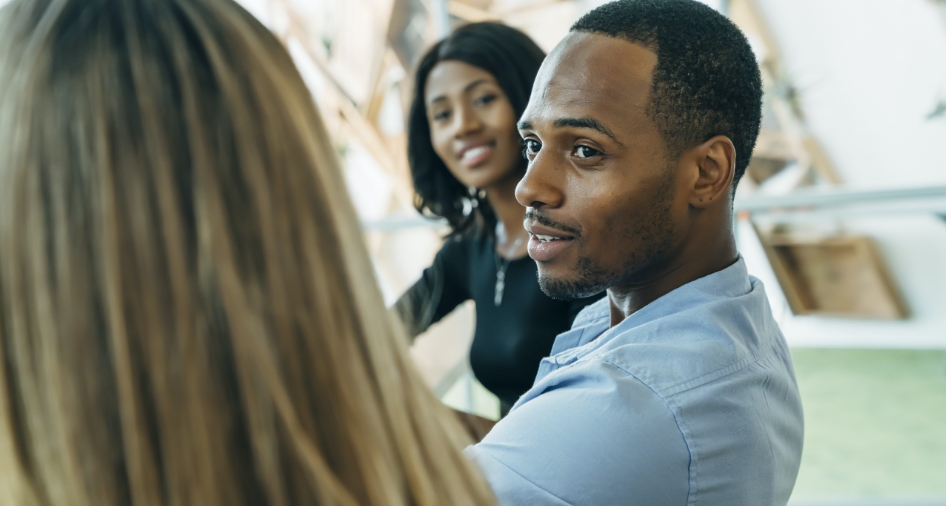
[(869, 72)]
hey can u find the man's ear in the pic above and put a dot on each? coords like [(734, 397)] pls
[(714, 164)]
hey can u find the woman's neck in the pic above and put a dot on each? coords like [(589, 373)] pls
[(510, 213)]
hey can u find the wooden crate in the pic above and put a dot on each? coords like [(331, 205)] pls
[(838, 276)]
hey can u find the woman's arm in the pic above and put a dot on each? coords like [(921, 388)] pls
[(441, 288)]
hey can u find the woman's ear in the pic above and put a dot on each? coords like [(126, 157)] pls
[(714, 164)]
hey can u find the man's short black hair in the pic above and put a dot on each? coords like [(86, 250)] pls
[(706, 81)]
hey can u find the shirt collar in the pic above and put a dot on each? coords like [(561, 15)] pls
[(731, 281)]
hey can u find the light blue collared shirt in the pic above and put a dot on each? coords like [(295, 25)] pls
[(691, 400)]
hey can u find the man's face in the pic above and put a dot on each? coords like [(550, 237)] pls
[(603, 202)]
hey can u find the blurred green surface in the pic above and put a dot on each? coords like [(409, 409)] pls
[(468, 395), (875, 423)]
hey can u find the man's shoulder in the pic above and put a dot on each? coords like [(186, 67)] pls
[(680, 349), (713, 366), (600, 437), (677, 349)]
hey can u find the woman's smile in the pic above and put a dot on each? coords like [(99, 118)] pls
[(476, 154)]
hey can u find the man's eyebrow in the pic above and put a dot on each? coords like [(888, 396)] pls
[(589, 123), (466, 88)]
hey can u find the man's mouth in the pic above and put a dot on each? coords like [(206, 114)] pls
[(543, 248), (549, 238), (545, 242)]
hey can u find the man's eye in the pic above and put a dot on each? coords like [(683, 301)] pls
[(530, 147), (586, 152)]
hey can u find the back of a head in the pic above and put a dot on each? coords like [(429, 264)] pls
[(187, 312), (706, 81)]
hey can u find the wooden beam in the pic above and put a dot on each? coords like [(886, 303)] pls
[(748, 16), (365, 131), (472, 14), (521, 9), (469, 13), (807, 150)]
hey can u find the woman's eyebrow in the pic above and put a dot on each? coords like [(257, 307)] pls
[(466, 89), (474, 84)]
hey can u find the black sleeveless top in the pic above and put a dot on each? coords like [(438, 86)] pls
[(511, 338)]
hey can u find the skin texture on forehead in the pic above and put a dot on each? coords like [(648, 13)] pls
[(584, 68)]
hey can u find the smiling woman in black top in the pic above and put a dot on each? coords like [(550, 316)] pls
[(466, 160)]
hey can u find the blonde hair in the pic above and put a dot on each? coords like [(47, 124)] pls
[(188, 315)]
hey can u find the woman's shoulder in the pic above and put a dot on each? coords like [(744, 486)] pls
[(472, 243), (460, 253)]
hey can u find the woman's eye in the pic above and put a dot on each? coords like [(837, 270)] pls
[(441, 115), (530, 147), (586, 152), (485, 99)]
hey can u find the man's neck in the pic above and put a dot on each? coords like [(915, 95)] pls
[(698, 259)]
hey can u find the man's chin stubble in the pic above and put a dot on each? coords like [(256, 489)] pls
[(588, 279), (562, 289)]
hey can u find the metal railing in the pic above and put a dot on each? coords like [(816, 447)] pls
[(803, 205), (811, 205)]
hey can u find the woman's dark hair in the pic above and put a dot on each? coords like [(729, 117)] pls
[(514, 60)]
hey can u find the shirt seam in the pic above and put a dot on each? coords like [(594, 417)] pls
[(677, 412), (692, 481), (710, 376), (534, 484), (676, 409), (718, 373)]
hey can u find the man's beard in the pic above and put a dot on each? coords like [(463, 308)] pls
[(654, 238), (589, 281)]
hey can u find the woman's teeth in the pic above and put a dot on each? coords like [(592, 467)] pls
[(470, 154)]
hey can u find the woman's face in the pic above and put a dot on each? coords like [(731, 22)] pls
[(472, 124)]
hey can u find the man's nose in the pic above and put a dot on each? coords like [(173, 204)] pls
[(541, 187)]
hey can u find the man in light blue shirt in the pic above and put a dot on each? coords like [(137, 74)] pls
[(677, 388)]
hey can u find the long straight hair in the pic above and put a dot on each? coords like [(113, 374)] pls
[(188, 315)]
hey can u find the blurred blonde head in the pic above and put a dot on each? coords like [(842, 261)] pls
[(188, 315)]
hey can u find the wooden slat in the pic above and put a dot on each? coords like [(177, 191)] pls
[(365, 131), (835, 276)]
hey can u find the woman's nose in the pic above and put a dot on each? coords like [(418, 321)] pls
[(467, 122)]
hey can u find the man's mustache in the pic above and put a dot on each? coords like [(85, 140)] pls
[(543, 220)]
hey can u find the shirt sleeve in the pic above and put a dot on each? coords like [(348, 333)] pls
[(594, 436), (441, 288)]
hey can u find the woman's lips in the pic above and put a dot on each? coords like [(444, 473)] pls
[(476, 156), (543, 248)]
